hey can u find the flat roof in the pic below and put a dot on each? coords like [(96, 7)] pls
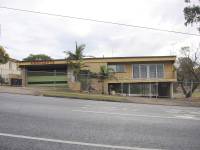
[(103, 60)]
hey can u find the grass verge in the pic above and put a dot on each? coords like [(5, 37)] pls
[(86, 96)]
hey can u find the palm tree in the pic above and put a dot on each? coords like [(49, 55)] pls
[(78, 54), (4, 57), (75, 60), (105, 73)]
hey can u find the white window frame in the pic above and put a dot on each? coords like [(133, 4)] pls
[(148, 73)]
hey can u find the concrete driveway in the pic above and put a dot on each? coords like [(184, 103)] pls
[(43, 123)]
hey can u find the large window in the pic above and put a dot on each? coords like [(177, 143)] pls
[(136, 72), (148, 70), (143, 89), (160, 71), (152, 71), (117, 67), (143, 71)]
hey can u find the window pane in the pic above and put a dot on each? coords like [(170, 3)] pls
[(113, 67), (135, 88), (136, 71), (152, 71), (143, 71), (160, 70), (120, 68), (125, 88)]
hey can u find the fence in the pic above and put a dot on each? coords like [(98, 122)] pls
[(188, 86), (149, 87), (6, 76), (118, 84)]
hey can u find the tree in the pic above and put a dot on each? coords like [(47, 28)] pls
[(35, 57), (4, 57), (189, 70), (192, 14), (75, 60), (105, 73)]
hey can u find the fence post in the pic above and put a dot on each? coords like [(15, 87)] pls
[(150, 90), (122, 89), (172, 90), (87, 82), (191, 89), (129, 89), (55, 79), (156, 89)]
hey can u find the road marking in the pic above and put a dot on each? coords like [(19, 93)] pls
[(135, 115), (74, 142), (186, 116)]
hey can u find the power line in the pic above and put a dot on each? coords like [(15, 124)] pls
[(101, 21)]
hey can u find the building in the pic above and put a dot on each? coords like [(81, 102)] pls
[(134, 76), (10, 73)]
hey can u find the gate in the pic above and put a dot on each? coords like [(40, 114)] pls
[(46, 78)]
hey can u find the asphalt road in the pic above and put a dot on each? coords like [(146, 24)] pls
[(44, 123)]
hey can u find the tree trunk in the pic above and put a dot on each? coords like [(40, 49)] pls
[(189, 93), (183, 89)]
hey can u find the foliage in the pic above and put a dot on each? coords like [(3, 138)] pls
[(78, 54), (75, 60), (105, 73), (189, 70), (35, 57), (4, 57), (192, 14)]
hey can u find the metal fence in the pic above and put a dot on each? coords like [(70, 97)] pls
[(188, 87), (149, 87), (121, 85)]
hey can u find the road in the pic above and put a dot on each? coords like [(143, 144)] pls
[(44, 123)]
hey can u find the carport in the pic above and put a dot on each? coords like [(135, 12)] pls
[(44, 73)]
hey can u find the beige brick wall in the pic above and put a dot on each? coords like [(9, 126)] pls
[(74, 86)]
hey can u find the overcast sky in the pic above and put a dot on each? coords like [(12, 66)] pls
[(25, 33)]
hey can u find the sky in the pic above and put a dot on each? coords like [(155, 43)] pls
[(27, 33)]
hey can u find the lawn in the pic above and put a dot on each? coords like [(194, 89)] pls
[(85, 96)]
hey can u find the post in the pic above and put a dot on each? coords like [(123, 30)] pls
[(171, 90), (87, 82), (129, 89), (150, 90), (156, 89), (191, 89), (24, 77), (122, 89), (55, 78)]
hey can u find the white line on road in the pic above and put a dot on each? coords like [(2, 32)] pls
[(74, 142), (135, 115)]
